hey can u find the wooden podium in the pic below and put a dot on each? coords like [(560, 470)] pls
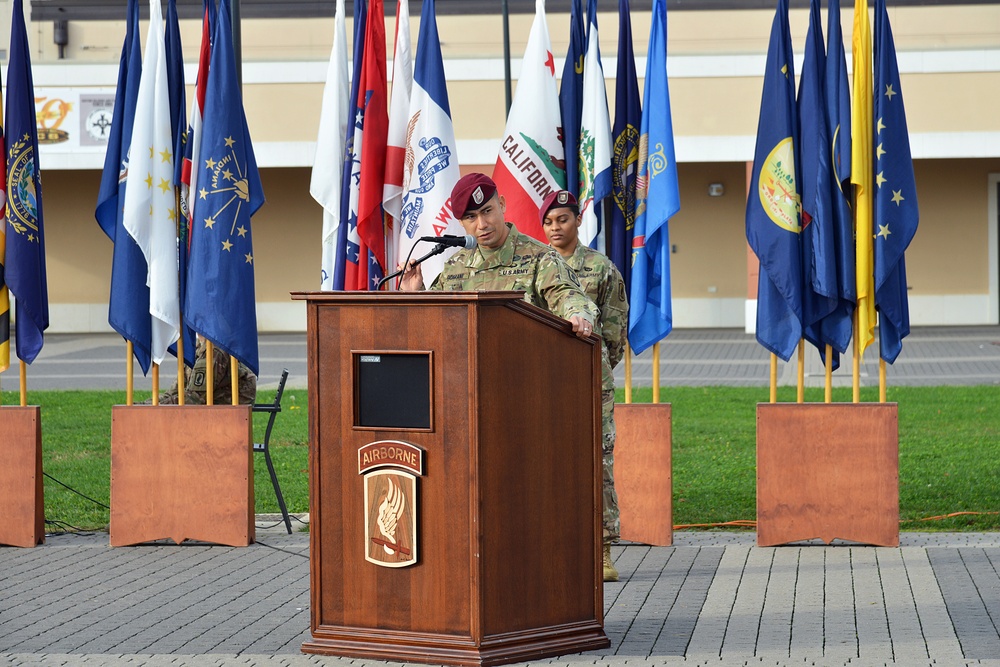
[(21, 489), (454, 479)]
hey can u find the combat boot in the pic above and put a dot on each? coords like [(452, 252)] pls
[(610, 573)]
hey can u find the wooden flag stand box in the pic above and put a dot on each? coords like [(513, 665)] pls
[(454, 479), (182, 472), (643, 474), (827, 471), (21, 489)]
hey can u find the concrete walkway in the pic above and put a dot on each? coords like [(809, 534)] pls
[(712, 599)]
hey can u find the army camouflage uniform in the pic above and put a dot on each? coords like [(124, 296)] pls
[(603, 283), (521, 263), (195, 378)]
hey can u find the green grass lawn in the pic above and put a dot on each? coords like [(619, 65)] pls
[(948, 452)]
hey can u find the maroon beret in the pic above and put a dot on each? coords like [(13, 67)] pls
[(471, 192), (557, 199)]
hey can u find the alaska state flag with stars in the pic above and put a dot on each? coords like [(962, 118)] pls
[(220, 299), (896, 214)]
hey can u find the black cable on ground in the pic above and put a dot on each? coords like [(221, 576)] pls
[(96, 502), (293, 553)]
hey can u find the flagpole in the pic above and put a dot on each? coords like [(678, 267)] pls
[(800, 392), (506, 58), (628, 373), (656, 373), (237, 40), (180, 365), (881, 380), (156, 384), (234, 366), (828, 391), (128, 373), (774, 378), (209, 372), (24, 384), (856, 374)]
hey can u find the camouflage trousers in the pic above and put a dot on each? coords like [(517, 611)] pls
[(610, 520)]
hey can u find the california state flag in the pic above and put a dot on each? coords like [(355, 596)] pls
[(531, 163)]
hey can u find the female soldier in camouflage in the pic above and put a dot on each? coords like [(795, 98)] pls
[(602, 282)]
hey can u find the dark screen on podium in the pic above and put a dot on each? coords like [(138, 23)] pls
[(394, 390)]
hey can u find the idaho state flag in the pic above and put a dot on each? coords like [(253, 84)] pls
[(773, 207), (530, 163), (896, 212)]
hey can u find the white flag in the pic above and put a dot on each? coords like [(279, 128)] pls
[(595, 141), (399, 113), (530, 163), (150, 212), (328, 165)]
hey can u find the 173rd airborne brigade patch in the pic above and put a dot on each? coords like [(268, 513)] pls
[(390, 468)]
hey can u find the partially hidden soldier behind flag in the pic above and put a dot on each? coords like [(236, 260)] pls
[(195, 380), (546, 280), (601, 281)]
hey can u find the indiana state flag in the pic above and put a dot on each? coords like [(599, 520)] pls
[(128, 304), (220, 301), (431, 160), (150, 210), (896, 213), (773, 206), (650, 316), (819, 293), (595, 142), (24, 270), (625, 154)]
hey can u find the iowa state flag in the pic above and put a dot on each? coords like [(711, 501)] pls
[(431, 160), (530, 163), (896, 211)]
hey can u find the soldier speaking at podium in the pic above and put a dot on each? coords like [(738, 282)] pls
[(506, 259)]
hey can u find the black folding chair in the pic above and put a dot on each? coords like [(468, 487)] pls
[(273, 409)]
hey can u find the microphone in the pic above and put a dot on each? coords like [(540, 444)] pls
[(467, 242), (443, 242)]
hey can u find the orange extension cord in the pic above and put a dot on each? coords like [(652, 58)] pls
[(742, 523)]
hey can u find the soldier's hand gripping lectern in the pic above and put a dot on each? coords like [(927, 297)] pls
[(454, 479)]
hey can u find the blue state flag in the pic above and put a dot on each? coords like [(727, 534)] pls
[(773, 219), (178, 130), (571, 96), (896, 212), (819, 289), (650, 316), (837, 327), (220, 300), (128, 303), (25, 254), (625, 150), (347, 249)]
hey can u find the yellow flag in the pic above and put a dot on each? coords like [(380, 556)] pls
[(861, 173)]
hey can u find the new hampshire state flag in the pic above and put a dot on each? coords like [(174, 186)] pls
[(220, 301), (24, 269), (650, 315), (896, 212), (530, 162), (773, 217)]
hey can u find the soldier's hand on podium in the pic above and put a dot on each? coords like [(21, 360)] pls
[(413, 278), (582, 327)]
